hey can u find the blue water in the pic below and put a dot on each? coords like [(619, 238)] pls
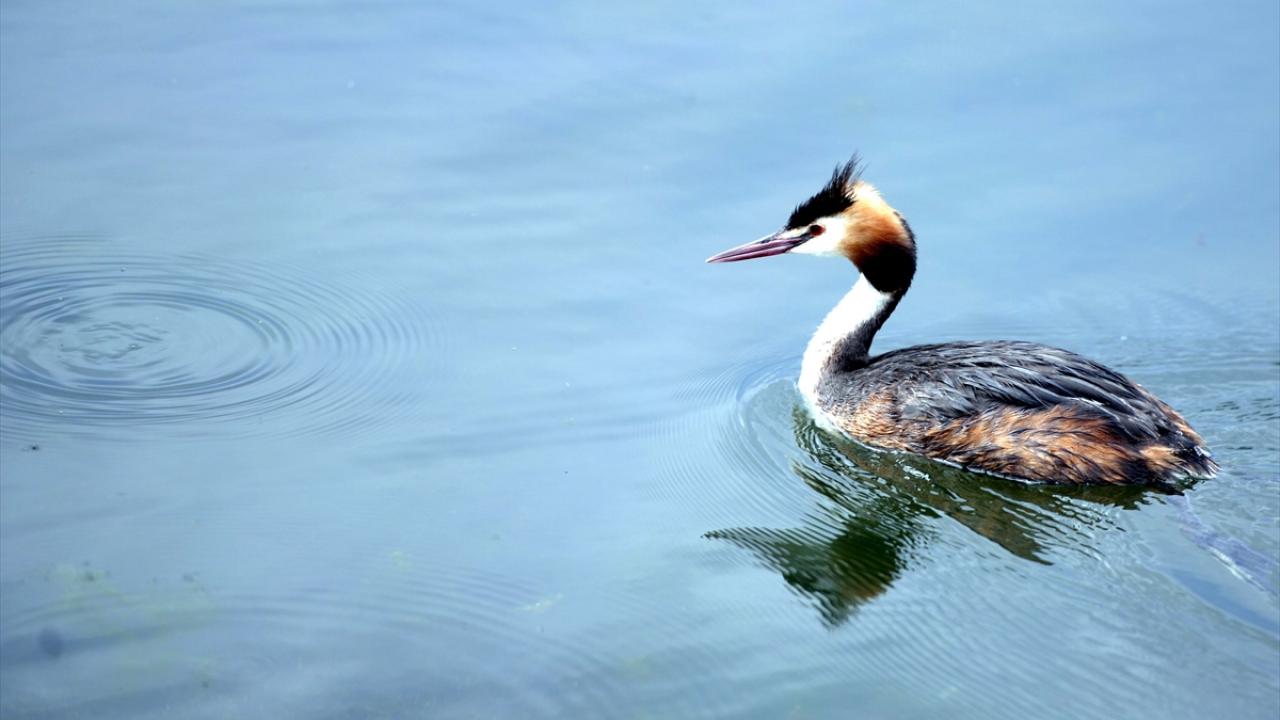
[(359, 361)]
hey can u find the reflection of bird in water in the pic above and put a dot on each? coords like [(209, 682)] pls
[(880, 511), (837, 573), (1008, 408)]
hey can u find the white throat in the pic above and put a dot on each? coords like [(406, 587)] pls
[(862, 305)]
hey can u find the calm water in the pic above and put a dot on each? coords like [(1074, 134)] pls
[(360, 361)]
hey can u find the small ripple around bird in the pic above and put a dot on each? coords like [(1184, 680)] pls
[(99, 341), (741, 420)]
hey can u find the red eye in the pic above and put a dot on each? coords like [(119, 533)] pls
[(816, 229)]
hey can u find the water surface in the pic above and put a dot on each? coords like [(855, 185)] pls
[(360, 361)]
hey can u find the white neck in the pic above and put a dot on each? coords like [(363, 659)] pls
[(862, 309)]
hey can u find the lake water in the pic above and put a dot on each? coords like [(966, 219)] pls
[(359, 361)]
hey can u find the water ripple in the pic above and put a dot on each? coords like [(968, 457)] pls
[(400, 637), (102, 341)]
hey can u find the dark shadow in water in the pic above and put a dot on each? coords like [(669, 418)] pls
[(882, 512)]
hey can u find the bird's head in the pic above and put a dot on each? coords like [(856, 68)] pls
[(846, 218)]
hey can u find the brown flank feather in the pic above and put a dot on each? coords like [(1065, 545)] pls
[(1061, 444)]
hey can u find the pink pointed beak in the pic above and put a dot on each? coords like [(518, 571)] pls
[(775, 244)]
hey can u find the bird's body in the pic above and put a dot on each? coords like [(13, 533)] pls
[(1015, 409), (1010, 408)]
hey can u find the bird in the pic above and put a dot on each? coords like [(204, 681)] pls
[(1009, 408)]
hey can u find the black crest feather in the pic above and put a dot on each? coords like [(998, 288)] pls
[(835, 197)]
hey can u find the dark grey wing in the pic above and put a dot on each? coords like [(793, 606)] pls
[(956, 380)]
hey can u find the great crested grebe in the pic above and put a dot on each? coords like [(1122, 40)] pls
[(1009, 408)]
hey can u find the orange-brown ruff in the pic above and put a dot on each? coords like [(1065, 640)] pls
[(1011, 408)]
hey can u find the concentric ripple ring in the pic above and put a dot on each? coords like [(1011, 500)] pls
[(95, 341)]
